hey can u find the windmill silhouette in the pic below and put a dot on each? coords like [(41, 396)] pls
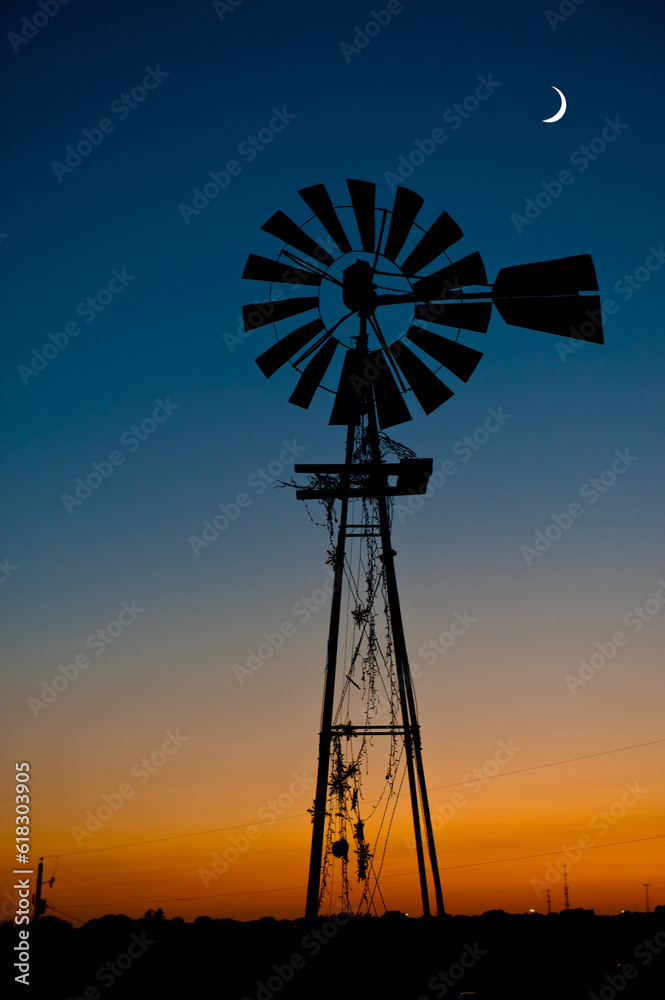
[(368, 300)]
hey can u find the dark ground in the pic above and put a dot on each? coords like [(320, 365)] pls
[(512, 957)]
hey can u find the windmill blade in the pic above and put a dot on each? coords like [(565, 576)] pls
[(405, 209), (457, 358), (285, 229), (310, 379), (565, 276), (390, 405), (440, 235), (564, 316), (281, 352), (362, 198), (265, 269), (427, 387), (442, 284), (349, 397), (473, 316), (319, 201), (263, 313)]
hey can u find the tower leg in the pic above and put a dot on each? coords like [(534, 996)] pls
[(407, 698), (325, 733)]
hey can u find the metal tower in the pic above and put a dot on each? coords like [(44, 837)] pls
[(361, 334)]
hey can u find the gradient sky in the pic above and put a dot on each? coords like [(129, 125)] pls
[(167, 334)]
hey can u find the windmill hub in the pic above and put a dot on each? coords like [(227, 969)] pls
[(353, 289), (358, 288)]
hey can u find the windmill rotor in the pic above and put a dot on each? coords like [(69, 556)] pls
[(376, 260)]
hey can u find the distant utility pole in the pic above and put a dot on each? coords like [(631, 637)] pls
[(37, 898), (549, 902), (646, 890), (566, 904)]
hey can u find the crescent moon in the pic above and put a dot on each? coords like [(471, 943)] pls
[(562, 110)]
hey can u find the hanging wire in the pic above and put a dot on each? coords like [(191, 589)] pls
[(55, 868), (349, 564), (68, 915), (392, 817)]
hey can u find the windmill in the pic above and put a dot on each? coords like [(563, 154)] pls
[(349, 310)]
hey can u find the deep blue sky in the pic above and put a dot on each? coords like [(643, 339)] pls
[(162, 337)]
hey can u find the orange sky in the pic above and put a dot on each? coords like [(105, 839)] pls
[(497, 702), (549, 812)]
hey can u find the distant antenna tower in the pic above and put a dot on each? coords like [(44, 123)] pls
[(360, 302), (549, 902), (566, 904)]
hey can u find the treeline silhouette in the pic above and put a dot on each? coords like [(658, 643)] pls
[(561, 956)]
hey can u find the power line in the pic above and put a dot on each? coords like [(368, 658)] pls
[(176, 836), (569, 760), (237, 826), (547, 854), (181, 899), (254, 892), (56, 910)]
